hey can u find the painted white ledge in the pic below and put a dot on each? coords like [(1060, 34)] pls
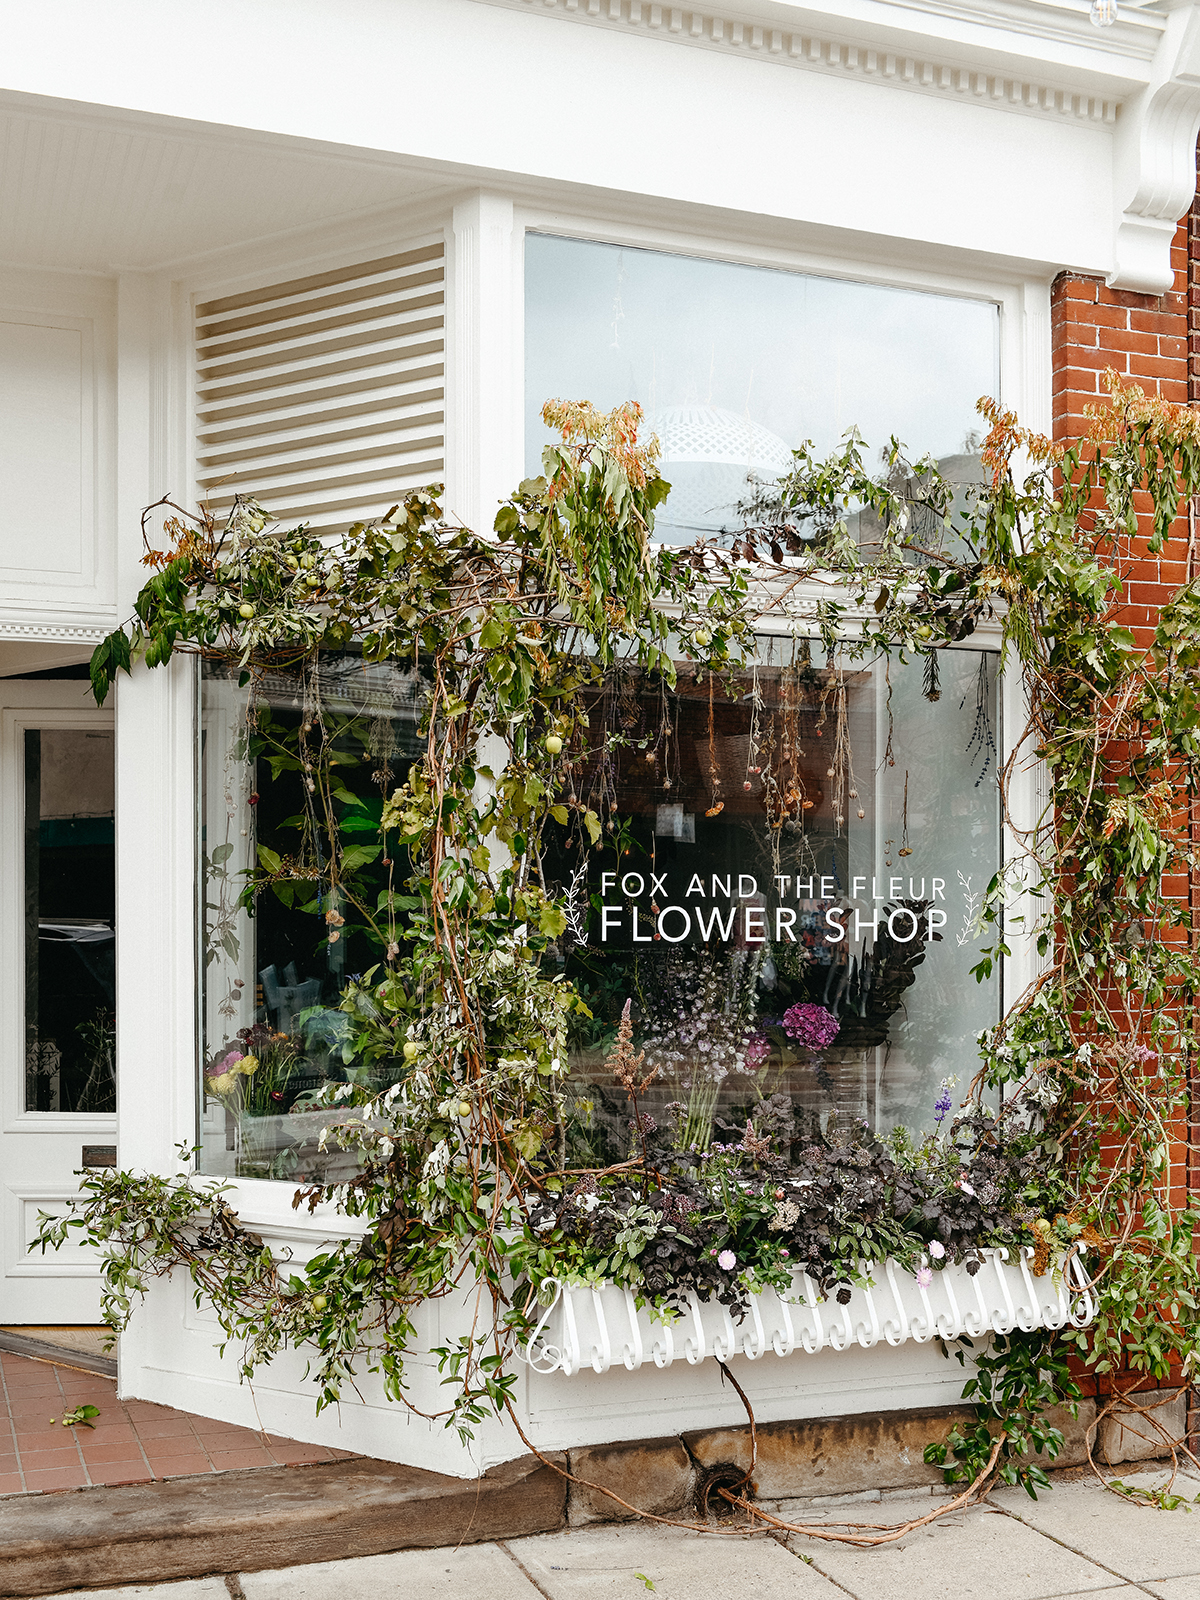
[(586, 1328)]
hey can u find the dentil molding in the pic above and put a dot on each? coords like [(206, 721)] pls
[(824, 52)]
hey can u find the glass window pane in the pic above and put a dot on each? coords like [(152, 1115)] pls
[(275, 1044), (736, 365), (788, 894), (70, 909)]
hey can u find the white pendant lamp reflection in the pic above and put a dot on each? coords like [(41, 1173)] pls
[(708, 456)]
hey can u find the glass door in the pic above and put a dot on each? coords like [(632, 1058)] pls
[(57, 982)]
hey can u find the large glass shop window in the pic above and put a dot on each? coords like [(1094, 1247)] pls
[(274, 1041), (736, 365), (788, 894)]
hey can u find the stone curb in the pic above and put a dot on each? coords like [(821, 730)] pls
[(261, 1518), (16, 1344)]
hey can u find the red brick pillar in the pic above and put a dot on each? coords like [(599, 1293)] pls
[(1154, 343)]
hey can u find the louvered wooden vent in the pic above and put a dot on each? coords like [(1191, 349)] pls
[(323, 397)]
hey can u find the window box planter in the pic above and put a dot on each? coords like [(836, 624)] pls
[(598, 1328)]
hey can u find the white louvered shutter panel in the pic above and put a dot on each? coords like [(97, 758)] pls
[(323, 397)]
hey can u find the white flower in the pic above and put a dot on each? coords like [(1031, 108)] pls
[(966, 1187), (727, 1261), (937, 1250), (437, 1160), (587, 1202)]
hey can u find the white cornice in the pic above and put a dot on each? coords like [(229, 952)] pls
[(993, 61), (34, 630), (1139, 80)]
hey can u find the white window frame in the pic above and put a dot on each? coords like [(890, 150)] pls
[(484, 233)]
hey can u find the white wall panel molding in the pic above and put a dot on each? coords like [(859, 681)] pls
[(841, 51)]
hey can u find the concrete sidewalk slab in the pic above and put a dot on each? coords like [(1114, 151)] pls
[(597, 1562), (1138, 1543), (976, 1552), (481, 1570), (182, 1589)]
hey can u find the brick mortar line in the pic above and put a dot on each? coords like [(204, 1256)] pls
[(12, 1428), (74, 1436)]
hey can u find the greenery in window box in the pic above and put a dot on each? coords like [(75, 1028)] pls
[(459, 1175)]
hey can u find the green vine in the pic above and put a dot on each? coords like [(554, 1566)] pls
[(458, 1144)]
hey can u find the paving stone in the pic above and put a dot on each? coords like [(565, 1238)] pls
[(592, 1563), (1186, 1588), (975, 1552), (652, 1474), (1136, 1542), (1135, 1438), (475, 1570)]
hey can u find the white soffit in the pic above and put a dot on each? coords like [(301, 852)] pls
[(94, 191)]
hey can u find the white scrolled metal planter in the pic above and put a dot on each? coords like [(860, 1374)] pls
[(598, 1328)]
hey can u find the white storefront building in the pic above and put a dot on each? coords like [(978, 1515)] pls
[(327, 252)]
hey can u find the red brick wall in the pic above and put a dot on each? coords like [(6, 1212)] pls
[(1154, 343)]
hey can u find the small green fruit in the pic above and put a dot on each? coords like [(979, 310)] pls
[(411, 1050), (319, 1302), (553, 745), (703, 638), (246, 610), (924, 631), (464, 1108), (313, 580)]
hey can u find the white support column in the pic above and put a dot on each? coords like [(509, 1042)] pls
[(484, 332), (155, 827)]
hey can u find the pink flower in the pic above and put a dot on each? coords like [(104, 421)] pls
[(924, 1277), (785, 1254), (812, 1026), (937, 1250), (756, 1049), (966, 1187), (727, 1261)]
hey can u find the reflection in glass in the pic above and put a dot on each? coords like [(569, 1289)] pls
[(275, 1044), (70, 907), (788, 895), (736, 365)]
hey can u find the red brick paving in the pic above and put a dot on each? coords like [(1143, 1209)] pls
[(134, 1442)]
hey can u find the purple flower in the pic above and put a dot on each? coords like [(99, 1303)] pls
[(944, 1101), (812, 1026), (937, 1250), (727, 1261), (924, 1277)]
